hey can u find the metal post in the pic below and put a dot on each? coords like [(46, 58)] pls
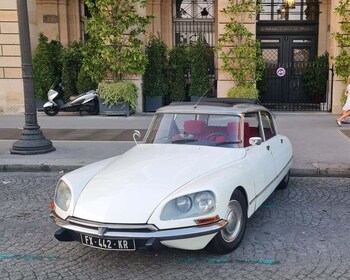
[(32, 140)]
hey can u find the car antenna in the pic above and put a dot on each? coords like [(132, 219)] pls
[(199, 100)]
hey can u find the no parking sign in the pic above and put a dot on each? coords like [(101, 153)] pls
[(281, 72)]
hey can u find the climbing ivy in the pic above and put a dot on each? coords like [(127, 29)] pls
[(238, 48), (342, 60)]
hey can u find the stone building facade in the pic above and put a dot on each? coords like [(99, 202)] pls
[(175, 21)]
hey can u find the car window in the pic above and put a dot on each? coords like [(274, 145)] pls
[(267, 125), (196, 129), (251, 127)]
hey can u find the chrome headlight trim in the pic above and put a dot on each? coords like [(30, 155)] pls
[(187, 206), (63, 195)]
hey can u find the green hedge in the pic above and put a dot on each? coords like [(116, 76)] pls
[(155, 79), (47, 65)]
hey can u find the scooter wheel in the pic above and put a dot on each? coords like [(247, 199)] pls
[(51, 111), (95, 109)]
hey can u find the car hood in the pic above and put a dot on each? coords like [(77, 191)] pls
[(129, 188)]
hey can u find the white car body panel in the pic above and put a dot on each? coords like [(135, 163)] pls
[(161, 170)]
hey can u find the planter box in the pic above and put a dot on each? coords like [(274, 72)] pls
[(153, 103), (119, 109)]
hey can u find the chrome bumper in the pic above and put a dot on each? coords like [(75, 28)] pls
[(136, 231)]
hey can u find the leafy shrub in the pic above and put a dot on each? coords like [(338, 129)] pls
[(84, 82), (199, 55), (178, 67), (243, 92), (316, 76), (72, 62), (114, 46), (117, 92), (155, 79), (47, 65)]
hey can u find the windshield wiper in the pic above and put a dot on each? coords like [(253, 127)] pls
[(183, 141)]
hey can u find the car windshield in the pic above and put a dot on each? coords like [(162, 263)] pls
[(196, 129)]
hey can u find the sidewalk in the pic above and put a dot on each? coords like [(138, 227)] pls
[(320, 146)]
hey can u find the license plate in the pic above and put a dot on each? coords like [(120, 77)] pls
[(108, 244)]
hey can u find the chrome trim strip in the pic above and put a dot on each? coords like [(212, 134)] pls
[(110, 226), (260, 193), (167, 234)]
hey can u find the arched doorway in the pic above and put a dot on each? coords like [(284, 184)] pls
[(288, 32)]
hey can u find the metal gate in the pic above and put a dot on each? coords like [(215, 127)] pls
[(289, 58)]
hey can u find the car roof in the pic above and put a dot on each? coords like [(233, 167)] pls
[(215, 106)]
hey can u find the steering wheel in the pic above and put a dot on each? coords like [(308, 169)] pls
[(219, 134)]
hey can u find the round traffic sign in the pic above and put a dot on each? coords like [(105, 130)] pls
[(280, 72)]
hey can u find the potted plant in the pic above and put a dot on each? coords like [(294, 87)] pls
[(178, 71), (246, 91), (315, 78), (199, 54), (117, 98), (155, 79), (114, 49)]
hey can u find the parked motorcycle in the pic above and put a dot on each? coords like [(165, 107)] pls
[(87, 102)]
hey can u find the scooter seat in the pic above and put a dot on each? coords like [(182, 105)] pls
[(71, 98)]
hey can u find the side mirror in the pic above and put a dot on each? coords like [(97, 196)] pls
[(136, 134), (255, 141)]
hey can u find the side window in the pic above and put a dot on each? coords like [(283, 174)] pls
[(251, 127), (267, 125)]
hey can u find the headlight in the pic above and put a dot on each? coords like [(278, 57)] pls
[(63, 195), (183, 203), (204, 201), (187, 206)]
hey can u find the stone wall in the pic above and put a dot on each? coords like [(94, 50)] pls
[(11, 85)]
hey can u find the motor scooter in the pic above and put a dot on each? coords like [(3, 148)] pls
[(87, 101)]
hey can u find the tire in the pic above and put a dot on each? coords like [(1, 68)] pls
[(284, 183), (51, 111), (231, 236), (95, 110)]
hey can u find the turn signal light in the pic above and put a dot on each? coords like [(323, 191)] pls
[(207, 220), (52, 205)]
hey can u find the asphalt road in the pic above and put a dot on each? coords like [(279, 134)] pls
[(301, 232)]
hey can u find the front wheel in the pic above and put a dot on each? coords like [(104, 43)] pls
[(232, 234), (51, 111)]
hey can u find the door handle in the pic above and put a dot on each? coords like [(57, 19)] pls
[(282, 141), (268, 148)]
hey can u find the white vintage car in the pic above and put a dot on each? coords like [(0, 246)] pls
[(201, 171)]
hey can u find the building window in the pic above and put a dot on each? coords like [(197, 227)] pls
[(281, 10), (193, 19)]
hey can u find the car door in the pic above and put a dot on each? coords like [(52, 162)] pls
[(260, 158), (279, 144)]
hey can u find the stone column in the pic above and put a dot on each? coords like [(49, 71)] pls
[(63, 21), (338, 86)]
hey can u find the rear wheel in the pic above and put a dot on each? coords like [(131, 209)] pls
[(51, 111), (95, 109), (284, 183), (231, 236)]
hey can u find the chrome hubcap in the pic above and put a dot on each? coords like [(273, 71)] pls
[(235, 220)]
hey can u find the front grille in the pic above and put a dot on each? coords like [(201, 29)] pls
[(110, 226)]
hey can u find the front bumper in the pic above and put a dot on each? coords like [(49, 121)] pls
[(143, 232)]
